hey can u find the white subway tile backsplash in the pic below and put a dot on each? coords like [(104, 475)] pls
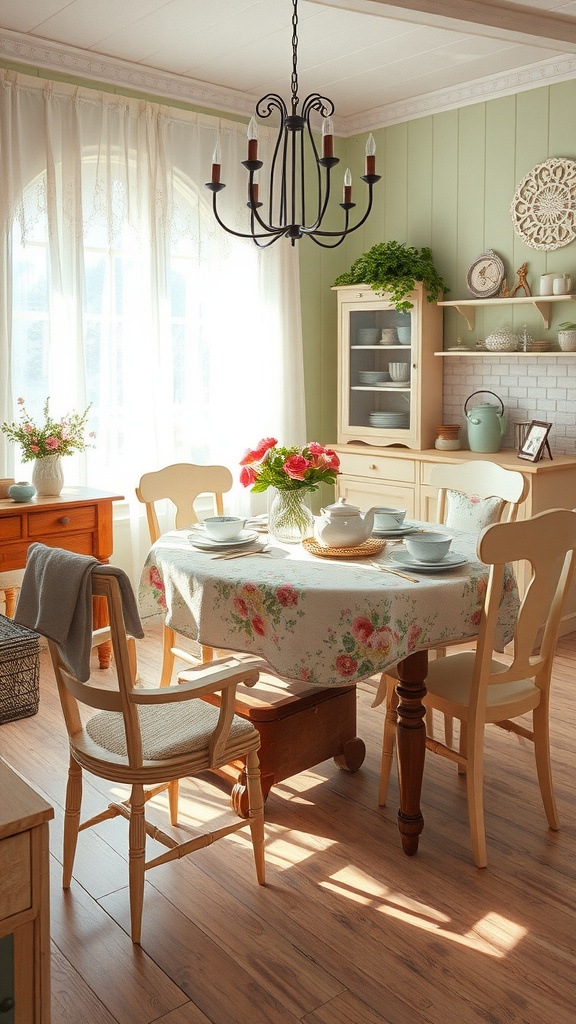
[(542, 389)]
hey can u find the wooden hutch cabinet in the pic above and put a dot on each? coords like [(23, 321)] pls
[(373, 339)]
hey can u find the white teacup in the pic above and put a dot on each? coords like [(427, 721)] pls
[(388, 518), (224, 527), (428, 546)]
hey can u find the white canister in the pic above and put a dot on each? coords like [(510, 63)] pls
[(547, 284), (562, 284)]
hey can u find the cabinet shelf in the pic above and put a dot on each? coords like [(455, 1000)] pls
[(483, 353), (467, 307)]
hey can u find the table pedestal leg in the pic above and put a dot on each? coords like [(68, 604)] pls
[(411, 746)]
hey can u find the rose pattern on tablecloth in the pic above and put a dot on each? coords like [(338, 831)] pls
[(326, 624)]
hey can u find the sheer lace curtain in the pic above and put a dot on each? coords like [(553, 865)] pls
[(119, 289)]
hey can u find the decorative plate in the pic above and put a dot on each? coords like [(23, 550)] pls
[(485, 275), (369, 547), (543, 209)]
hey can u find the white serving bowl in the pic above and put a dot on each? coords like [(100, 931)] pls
[(388, 518), (368, 336), (224, 527), (428, 546), (399, 371)]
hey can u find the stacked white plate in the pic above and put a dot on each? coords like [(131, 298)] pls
[(389, 419)]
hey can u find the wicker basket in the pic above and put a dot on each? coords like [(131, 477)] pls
[(19, 671)]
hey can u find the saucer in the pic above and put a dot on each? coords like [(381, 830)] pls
[(450, 561), (205, 543), (397, 532)]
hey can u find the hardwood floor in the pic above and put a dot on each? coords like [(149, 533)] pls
[(348, 929)]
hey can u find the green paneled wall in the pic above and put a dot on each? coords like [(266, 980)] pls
[(448, 182)]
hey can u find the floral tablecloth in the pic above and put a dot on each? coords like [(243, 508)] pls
[(313, 619)]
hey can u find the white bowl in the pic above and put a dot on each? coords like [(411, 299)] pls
[(388, 518), (399, 371), (428, 546), (368, 336), (224, 527)]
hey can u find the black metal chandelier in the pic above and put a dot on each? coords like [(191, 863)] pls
[(287, 199)]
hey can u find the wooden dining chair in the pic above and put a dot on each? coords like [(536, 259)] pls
[(478, 689), (181, 484), (153, 736), (471, 496)]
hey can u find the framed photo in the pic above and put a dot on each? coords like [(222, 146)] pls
[(535, 442)]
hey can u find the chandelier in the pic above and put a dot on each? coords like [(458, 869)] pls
[(288, 195)]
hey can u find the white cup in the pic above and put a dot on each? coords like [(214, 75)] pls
[(389, 518), (547, 284), (562, 284), (224, 527)]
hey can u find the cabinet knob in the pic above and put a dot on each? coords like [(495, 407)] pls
[(64, 520), (7, 1004), (372, 466)]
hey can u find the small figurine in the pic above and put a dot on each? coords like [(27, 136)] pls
[(521, 283)]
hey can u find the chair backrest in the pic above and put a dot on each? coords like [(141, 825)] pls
[(182, 483), (547, 542), (475, 494)]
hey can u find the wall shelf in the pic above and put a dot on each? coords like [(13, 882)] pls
[(467, 307), (483, 353)]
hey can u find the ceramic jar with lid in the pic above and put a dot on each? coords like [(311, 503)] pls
[(447, 437)]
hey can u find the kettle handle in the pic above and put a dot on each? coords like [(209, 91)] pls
[(483, 392)]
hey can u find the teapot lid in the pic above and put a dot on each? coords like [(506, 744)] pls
[(342, 508)]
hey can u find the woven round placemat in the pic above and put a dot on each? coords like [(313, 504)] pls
[(372, 546)]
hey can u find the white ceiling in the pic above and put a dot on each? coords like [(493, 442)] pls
[(379, 62)]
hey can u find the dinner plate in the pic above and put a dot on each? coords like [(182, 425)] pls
[(450, 561), (203, 541), (398, 532)]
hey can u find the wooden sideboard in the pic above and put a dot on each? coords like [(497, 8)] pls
[(79, 519), (399, 477), (24, 901)]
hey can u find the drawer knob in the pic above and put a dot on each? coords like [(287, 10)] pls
[(64, 520), (372, 466)]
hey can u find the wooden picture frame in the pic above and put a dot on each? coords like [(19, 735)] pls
[(535, 441)]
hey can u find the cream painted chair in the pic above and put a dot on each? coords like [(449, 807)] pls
[(153, 737), (471, 496), (478, 689), (181, 484)]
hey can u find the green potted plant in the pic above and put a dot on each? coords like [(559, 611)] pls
[(394, 268)]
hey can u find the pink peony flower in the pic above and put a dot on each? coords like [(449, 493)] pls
[(296, 466), (53, 443), (362, 628), (248, 476)]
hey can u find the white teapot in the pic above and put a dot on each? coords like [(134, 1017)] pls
[(342, 525)]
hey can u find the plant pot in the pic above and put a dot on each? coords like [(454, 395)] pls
[(567, 341)]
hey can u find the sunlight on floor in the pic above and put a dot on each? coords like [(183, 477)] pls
[(492, 935)]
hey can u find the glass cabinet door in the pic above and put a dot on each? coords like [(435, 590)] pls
[(380, 370)]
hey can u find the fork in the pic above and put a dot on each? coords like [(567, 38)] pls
[(242, 554), (395, 572)]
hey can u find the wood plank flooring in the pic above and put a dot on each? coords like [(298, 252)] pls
[(348, 929)]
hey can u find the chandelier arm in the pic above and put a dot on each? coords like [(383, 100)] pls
[(278, 232), (315, 234)]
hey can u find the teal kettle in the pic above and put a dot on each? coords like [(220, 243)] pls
[(486, 424)]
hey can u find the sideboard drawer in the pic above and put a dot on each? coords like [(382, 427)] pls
[(15, 887), (10, 527), (377, 467), (61, 521)]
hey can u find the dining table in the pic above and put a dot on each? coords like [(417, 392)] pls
[(330, 621)]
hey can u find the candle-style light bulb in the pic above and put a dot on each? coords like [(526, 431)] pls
[(252, 134), (327, 137), (370, 155), (216, 163), (347, 186)]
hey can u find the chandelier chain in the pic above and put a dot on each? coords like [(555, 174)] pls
[(294, 78)]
